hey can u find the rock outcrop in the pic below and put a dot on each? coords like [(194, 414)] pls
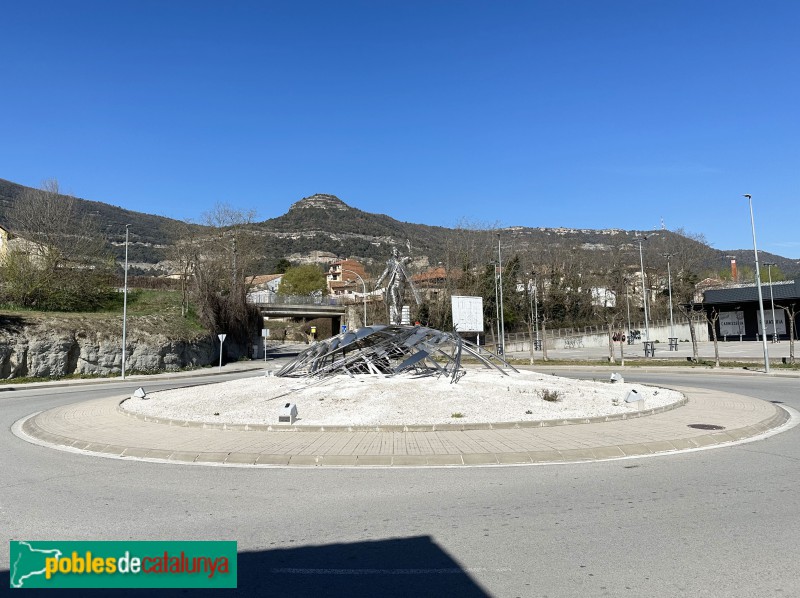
[(39, 349)]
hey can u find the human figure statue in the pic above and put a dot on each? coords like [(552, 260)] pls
[(396, 277)]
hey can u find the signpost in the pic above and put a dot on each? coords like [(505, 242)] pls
[(221, 338), (265, 335)]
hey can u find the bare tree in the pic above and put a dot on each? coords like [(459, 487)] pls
[(791, 314), (712, 319), (59, 259), (222, 264)]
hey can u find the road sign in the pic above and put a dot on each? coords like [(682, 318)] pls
[(467, 313), (221, 338)]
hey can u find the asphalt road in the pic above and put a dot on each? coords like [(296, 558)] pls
[(716, 523)]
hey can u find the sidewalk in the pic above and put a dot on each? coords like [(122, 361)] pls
[(98, 427)]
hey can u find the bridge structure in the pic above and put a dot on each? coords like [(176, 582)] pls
[(301, 307)]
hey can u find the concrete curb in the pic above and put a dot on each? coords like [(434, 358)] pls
[(635, 445), (400, 428)]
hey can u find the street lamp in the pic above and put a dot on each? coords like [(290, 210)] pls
[(365, 291), (125, 302), (641, 240), (534, 309), (758, 285), (502, 324), (628, 303), (536, 306), (772, 301), (496, 302), (669, 286)]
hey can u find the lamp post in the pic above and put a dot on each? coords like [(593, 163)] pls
[(669, 286), (772, 301), (758, 285), (365, 292), (496, 302), (125, 302), (534, 310), (641, 240), (502, 324), (628, 304), (536, 305)]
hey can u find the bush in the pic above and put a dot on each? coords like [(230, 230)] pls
[(552, 396)]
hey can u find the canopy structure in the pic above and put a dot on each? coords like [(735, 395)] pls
[(389, 350)]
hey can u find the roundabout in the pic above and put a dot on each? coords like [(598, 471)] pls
[(179, 426), (721, 519)]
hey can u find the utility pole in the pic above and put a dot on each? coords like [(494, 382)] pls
[(125, 303)]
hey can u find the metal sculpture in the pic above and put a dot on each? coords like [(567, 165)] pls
[(389, 350), (396, 277)]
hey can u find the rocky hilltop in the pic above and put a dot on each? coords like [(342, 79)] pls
[(322, 226)]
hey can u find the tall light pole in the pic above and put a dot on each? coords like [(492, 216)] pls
[(496, 302), (772, 301), (365, 292), (125, 303), (758, 285), (669, 286), (641, 240), (502, 324), (536, 305), (628, 303)]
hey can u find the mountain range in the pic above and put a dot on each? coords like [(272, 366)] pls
[(322, 227)]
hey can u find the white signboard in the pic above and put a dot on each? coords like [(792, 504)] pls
[(780, 321), (467, 313), (731, 323)]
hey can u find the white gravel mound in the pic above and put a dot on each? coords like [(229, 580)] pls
[(481, 396)]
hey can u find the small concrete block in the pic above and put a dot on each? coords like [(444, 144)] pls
[(509, 458), (445, 459), (113, 449), (48, 437), (184, 457), (374, 460), (420, 428), (273, 460), (409, 460), (545, 456), (244, 458), (158, 454), (136, 453), (305, 460), (338, 460), (660, 446), (607, 452), (211, 457), (632, 450), (577, 454), (708, 440), (739, 433), (683, 444), (479, 459), (96, 447)]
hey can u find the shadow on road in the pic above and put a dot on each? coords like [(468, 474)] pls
[(397, 567)]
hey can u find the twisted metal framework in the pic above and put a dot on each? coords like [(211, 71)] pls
[(389, 350)]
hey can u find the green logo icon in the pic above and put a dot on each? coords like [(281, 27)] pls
[(55, 564)]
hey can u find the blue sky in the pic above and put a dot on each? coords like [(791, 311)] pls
[(585, 114)]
